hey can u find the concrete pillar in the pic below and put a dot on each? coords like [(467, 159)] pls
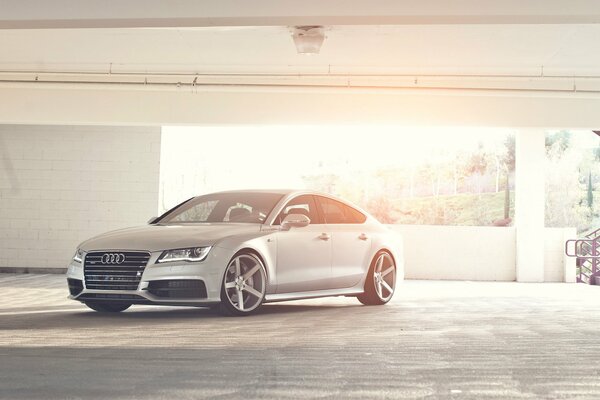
[(530, 204)]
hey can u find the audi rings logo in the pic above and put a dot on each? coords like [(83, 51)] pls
[(113, 258)]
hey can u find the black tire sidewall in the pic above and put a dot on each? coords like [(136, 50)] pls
[(370, 296)]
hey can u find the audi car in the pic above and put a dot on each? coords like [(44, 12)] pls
[(234, 251)]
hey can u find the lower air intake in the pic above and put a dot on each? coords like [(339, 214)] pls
[(178, 289)]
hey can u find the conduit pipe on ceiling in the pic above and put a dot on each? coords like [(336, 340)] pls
[(286, 88), (346, 75), (465, 84)]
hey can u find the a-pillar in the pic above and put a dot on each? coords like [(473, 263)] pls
[(530, 204)]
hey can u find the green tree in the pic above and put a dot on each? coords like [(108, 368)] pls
[(590, 192), (477, 166), (558, 142), (509, 164), (566, 203)]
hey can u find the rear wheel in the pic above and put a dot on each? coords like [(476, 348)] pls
[(381, 280), (107, 307), (244, 285)]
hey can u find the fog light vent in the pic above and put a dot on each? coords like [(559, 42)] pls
[(75, 286)]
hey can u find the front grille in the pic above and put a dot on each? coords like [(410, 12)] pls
[(106, 273)]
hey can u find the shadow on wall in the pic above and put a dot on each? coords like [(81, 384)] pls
[(7, 167)]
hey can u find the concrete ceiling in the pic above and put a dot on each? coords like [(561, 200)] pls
[(514, 60), (22, 14), (565, 50)]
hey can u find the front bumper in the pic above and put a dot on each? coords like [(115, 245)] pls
[(209, 272)]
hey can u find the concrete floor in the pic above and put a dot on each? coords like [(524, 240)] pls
[(447, 340)]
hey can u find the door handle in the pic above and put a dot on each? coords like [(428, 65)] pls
[(324, 236), (362, 236)]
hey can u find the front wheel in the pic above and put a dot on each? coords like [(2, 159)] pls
[(381, 280), (244, 285), (107, 307)]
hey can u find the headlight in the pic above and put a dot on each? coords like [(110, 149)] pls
[(191, 254), (78, 257)]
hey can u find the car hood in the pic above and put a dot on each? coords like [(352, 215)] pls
[(164, 237)]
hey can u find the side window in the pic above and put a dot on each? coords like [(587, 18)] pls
[(300, 205), (339, 213), (333, 211), (354, 216)]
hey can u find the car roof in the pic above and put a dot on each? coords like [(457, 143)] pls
[(274, 191), (282, 191)]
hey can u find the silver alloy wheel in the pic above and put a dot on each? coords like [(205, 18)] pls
[(245, 282), (384, 275)]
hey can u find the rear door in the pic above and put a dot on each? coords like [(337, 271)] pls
[(350, 243)]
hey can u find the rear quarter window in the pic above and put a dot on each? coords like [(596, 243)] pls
[(336, 212)]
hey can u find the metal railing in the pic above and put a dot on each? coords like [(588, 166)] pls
[(587, 252)]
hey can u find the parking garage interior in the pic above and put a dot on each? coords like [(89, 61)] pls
[(111, 115)]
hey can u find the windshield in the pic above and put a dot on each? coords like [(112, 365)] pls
[(231, 207)]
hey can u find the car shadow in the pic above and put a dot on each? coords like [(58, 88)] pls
[(150, 315)]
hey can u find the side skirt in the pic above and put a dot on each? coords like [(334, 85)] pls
[(271, 298)]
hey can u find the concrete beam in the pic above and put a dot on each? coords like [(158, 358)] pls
[(91, 105), (34, 14)]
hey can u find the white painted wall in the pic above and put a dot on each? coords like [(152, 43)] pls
[(477, 253), (459, 252), (557, 266), (60, 185)]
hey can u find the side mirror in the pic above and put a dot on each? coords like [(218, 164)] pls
[(151, 220), (294, 221)]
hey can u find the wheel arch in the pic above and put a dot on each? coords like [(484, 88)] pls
[(385, 249), (397, 257), (394, 246), (253, 251)]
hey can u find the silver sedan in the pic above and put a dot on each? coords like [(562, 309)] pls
[(236, 250)]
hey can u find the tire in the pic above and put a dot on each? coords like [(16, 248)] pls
[(107, 307), (380, 279), (245, 278)]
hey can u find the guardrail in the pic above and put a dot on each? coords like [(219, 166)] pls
[(579, 243), (587, 252)]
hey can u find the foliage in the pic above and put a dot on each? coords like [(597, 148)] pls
[(461, 209), (558, 142), (569, 191), (473, 186), (590, 192), (509, 154), (449, 187)]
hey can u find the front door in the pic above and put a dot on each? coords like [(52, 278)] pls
[(303, 254)]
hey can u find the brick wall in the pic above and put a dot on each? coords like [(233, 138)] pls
[(60, 185)]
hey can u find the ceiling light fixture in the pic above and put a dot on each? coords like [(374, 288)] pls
[(308, 38)]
